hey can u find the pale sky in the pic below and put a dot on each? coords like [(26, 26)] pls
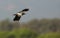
[(38, 9)]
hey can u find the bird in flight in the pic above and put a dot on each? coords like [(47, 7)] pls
[(19, 14)]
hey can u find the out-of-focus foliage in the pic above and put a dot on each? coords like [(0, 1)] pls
[(22, 33), (30, 29), (40, 26), (49, 35), (45, 25), (3, 34)]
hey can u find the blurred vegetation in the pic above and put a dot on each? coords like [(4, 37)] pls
[(36, 28), (49, 35)]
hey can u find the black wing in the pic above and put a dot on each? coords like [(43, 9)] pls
[(17, 18), (24, 10)]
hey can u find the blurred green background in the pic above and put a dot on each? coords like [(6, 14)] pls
[(35, 28)]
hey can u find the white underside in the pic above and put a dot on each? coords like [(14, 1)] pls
[(19, 14)]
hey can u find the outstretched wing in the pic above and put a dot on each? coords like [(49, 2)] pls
[(24, 10), (16, 18)]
